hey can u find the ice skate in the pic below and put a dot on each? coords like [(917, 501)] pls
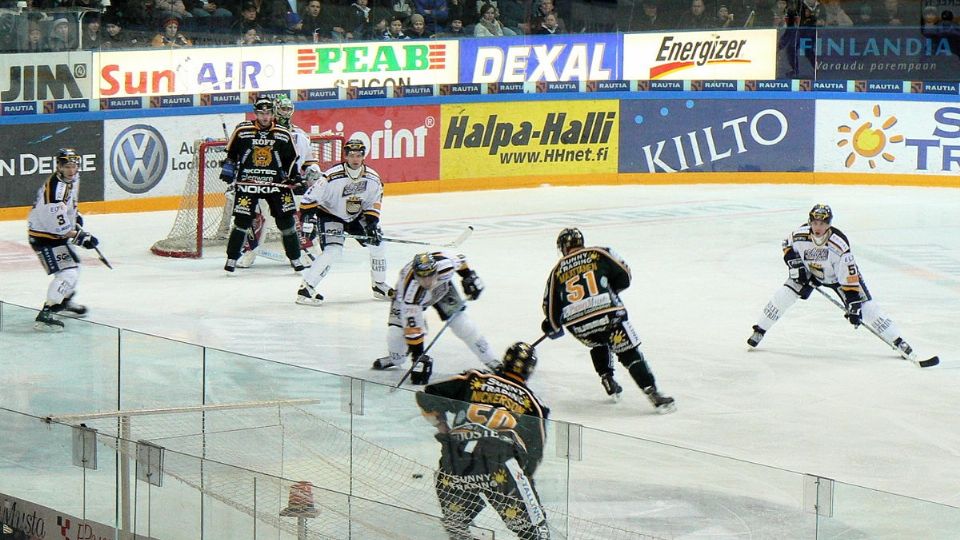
[(300, 263), (46, 322), (613, 388), (383, 363), (756, 337), (307, 296), (904, 348), (382, 291), (231, 265), (67, 308), (247, 259), (664, 404)]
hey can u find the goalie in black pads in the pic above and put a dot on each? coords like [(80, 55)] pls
[(54, 226), (583, 294), (491, 446), (427, 281), (261, 163), (818, 255)]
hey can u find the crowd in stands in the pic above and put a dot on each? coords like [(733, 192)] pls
[(59, 25)]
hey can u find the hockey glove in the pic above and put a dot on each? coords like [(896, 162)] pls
[(548, 330), (311, 173), (85, 240), (798, 272), (472, 286), (229, 172), (79, 222), (371, 228), (422, 369), (853, 313), (309, 226)]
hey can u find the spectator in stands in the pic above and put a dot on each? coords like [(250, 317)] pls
[(317, 23), (650, 20), (292, 31), (864, 16), (834, 15), (115, 37), (695, 18), (434, 13), (456, 10), (60, 38), (90, 37), (356, 23), (395, 30), (34, 42), (417, 28), (249, 20), (206, 9), (453, 31), (545, 8), (515, 15), (250, 37), (488, 25), (724, 17), (930, 21), (163, 10), (402, 9), (170, 36), (135, 14), (549, 25)]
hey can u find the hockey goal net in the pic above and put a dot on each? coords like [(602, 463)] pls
[(203, 218)]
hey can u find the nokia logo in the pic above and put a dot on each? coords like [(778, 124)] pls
[(138, 158)]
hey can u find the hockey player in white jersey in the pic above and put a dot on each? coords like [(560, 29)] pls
[(307, 167), (818, 254), (346, 199), (424, 282), (54, 226)]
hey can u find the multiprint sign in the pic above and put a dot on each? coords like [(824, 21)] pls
[(381, 63), (402, 142), (888, 137), (725, 55), (540, 58), (43, 76), (188, 71), (514, 139), (668, 136)]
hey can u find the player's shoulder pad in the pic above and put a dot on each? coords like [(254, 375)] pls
[(372, 173), (838, 241), (279, 131), (801, 233)]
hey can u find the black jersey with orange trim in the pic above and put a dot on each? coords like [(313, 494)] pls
[(262, 154), (585, 283)]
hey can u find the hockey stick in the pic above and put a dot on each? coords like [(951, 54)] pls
[(537, 342), (363, 238), (929, 362), (102, 258), (429, 346)]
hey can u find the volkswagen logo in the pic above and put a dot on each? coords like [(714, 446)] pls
[(138, 158)]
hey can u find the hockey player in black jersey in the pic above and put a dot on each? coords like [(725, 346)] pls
[(491, 445), (261, 163), (583, 295)]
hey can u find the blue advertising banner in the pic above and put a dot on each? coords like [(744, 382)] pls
[(893, 54), (710, 135), (574, 57)]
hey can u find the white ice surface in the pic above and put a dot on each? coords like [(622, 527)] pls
[(816, 397)]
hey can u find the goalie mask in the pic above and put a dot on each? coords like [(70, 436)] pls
[(520, 360), (425, 270), (283, 107), (569, 239), (821, 212)]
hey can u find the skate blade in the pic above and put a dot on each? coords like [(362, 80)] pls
[(49, 328), (309, 301), (667, 409), (616, 398)]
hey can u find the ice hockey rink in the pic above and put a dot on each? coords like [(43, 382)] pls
[(817, 396)]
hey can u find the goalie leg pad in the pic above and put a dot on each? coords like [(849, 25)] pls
[(464, 328), (777, 306)]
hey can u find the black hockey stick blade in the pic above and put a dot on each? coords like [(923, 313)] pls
[(102, 258), (929, 362), (538, 341)]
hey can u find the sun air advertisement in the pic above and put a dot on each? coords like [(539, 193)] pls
[(692, 56), (514, 139), (898, 137)]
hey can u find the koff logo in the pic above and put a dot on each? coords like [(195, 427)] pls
[(138, 158)]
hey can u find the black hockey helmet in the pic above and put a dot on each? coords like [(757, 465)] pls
[(264, 103), (821, 212), (67, 155), (354, 145), (425, 269), (520, 359), (569, 238)]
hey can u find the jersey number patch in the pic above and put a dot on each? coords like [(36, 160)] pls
[(491, 417), (575, 290)]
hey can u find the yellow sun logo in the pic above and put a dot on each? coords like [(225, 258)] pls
[(866, 140)]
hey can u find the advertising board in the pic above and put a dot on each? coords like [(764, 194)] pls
[(668, 136), (27, 157), (378, 63), (722, 55), (576, 57), (402, 142), (46, 76), (873, 136), (159, 72), (515, 139)]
